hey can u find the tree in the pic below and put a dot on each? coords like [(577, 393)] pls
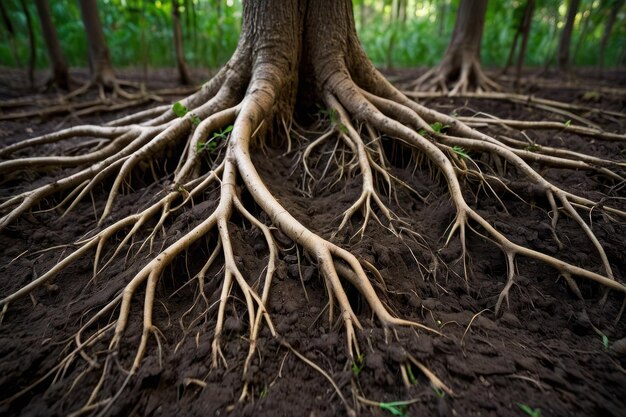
[(291, 54), (566, 35), (523, 29), (183, 71), (99, 59), (31, 43), (608, 28), (460, 66), (60, 75)]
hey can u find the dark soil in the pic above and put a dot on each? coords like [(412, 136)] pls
[(542, 352)]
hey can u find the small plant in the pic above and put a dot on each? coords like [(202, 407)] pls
[(461, 152), (568, 123), (333, 117), (412, 378), (264, 392), (358, 365), (533, 148), (180, 110), (396, 408), (532, 412), (439, 127), (439, 392), (605, 341), (211, 144)]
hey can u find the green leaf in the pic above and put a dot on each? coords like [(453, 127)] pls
[(460, 151), (568, 123), (195, 120), (532, 412), (438, 392), (411, 376), (605, 341), (179, 109), (397, 408), (358, 365), (228, 129)]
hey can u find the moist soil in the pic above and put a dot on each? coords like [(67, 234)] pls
[(541, 352)]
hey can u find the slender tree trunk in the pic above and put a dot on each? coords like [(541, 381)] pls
[(460, 65), (99, 59), (608, 28), (32, 46), (526, 24), (60, 75), (566, 35), (183, 71)]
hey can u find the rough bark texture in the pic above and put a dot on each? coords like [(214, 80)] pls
[(99, 59), (460, 66), (181, 64), (566, 35), (60, 75)]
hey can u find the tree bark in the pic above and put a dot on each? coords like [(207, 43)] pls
[(608, 28), (60, 75), (32, 46), (566, 35), (526, 24), (99, 59), (460, 65), (183, 71)]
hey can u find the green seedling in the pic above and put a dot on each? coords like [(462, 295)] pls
[(568, 123), (532, 412), (412, 378), (331, 114), (439, 392), (533, 148), (461, 152), (264, 393), (358, 365), (211, 144), (439, 128), (180, 110), (396, 408), (605, 341)]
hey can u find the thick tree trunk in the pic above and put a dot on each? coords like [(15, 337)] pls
[(183, 71), (99, 59), (566, 35), (60, 75), (526, 24)]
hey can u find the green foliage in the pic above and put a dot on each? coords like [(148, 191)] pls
[(461, 152), (358, 364), (533, 148), (179, 109), (439, 392), (532, 412), (411, 375), (439, 128), (605, 341), (396, 408), (216, 138), (139, 33)]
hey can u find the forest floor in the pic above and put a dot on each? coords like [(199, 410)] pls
[(542, 353)]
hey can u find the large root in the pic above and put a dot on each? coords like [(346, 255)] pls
[(363, 112)]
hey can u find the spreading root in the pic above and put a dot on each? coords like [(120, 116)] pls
[(453, 79), (359, 119)]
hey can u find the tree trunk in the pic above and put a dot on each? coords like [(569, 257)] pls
[(526, 24), (566, 35), (183, 71), (460, 65), (608, 28), (60, 75), (32, 46), (99, 59)]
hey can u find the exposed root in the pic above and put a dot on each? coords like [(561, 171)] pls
[(364, 111), (451, 80)]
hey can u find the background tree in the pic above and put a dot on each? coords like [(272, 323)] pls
[(460, 66), (523, 30), (99, 59), (614, 9), (181, 64), (31, 43), (566, 35), (60, 74)]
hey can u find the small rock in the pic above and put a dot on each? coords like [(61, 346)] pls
[(619, 347)]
